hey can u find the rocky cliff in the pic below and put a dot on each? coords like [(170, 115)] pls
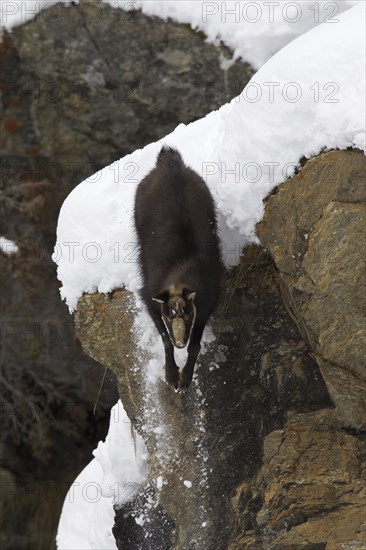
[(270, 433), (81, 86), (314, 228)]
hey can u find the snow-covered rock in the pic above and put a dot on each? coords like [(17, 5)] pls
[(308, 97)]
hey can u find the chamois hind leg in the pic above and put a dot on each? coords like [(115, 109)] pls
[(193, 351), (171, 368)]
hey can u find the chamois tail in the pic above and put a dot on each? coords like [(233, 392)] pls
[(169, 157)]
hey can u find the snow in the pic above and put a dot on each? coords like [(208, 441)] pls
[(87, 518), (8, 247), (112, 477), (159, 482), (140, 520), (253, 30), (121, 452), (307, 97)]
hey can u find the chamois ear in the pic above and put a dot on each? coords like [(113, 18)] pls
[(189, 294), (162, 297)]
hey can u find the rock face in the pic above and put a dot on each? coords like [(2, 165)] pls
[(210, 437), (257, 455), (82, 86), (310, 490), (122, 81), (314, 227)]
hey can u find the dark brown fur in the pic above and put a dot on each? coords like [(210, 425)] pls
[(179, 255)]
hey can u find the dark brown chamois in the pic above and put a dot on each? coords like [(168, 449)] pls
[(179, 257)]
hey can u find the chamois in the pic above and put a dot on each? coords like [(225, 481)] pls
[(179, 257)]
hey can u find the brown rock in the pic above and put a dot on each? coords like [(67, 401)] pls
[(104, 326), (311, 488), (104, 81), (314, 228)]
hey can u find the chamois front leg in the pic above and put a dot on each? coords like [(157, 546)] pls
[(193, 351), (171, 368)]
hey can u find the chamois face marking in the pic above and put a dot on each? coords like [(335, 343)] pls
[(178, 313)]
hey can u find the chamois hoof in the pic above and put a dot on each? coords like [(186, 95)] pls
[(181, 390), (172, 378), (184, 383)]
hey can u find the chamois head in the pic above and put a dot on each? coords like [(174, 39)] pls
[(178, 313)]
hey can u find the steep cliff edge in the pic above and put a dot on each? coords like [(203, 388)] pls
[(76, 96), (255, 455)]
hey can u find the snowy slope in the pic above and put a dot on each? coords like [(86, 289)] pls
[(309, 96)]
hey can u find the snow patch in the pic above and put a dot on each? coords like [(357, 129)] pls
[(8, 247), (111, 478)]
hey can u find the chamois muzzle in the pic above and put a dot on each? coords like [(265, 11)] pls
[(178, 313), (179, 333)]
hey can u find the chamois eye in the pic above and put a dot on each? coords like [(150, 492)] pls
[(173, 313)]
